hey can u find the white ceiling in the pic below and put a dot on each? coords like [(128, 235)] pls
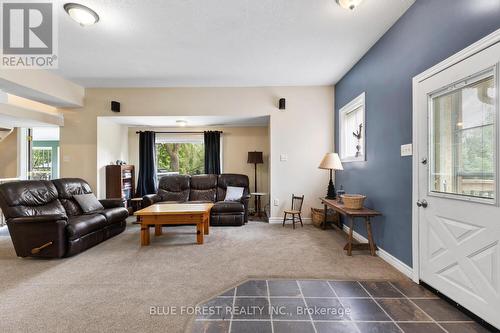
[(192, 121), (158, 43)]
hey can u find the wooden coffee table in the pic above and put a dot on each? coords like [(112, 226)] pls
[(162, 214)]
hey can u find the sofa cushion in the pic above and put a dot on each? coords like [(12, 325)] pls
[(229, 179), (203, 188), (29, 198), (88, 202), (79, 226), (222, 207), (114, 215), (174, 188), (67, 188), (234, 193)]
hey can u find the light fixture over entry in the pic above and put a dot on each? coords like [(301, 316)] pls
[(349, 4), (81, 14)]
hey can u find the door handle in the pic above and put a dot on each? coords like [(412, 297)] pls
[(422, 203)]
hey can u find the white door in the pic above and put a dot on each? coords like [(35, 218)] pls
[(458, 197)]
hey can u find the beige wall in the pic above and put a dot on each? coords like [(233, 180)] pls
[(112, 145), (8, 156), (236, 143), (304, 131)]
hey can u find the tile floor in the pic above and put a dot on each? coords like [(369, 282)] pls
[(319, 306)]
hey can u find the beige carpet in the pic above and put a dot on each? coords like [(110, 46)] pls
[(113, 285)]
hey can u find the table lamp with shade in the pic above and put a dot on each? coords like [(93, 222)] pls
[(331, 162)]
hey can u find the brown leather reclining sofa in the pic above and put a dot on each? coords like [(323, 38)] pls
[(205, 188), (45, 220)]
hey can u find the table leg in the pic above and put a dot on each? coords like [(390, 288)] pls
[(138, 207), (206, 222), (370, 236), (199, 232), (144, 235), (158, 231), (349, 244), (257, 205), (323, 224)]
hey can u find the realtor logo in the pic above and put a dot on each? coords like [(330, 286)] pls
[(28, 35)]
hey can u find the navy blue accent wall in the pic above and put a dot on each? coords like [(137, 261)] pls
[(429, 32)]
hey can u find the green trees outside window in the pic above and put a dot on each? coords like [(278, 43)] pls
[(183, 158)]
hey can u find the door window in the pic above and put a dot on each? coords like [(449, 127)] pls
[(463, 137)]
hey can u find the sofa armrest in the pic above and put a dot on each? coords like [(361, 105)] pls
[(244, 200), (38, 219), (150, 199), (112, 203), (39, 236)]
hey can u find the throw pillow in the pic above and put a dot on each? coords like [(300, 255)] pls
[(234, 193), (88, 202)]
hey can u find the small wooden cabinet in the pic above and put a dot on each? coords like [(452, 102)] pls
[(120, 182)]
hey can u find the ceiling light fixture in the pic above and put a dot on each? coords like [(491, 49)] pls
[(181, 123), (349, 4), (81, 14)]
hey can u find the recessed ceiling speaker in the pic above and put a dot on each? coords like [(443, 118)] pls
[(115, 106), (282, 104)]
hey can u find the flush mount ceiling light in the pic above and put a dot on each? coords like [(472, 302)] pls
[(81, 14), (181, 123), (349, 4)]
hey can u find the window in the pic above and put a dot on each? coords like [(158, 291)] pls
[(42, 163), (352, 130), (43, 147), (180, 154), (462, 138)]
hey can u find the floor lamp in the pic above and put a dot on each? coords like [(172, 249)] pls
[(255, 157)]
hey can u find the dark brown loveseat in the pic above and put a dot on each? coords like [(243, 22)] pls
[(206, 188), (44, 219)]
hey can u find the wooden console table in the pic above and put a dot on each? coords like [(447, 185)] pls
[(350, 215)]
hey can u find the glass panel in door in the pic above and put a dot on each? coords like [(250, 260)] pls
[(462, 139)]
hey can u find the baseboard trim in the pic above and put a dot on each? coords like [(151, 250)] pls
[(305, 220), (384, 255)]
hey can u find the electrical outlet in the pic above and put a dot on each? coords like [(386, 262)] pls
[(407, 150), (276, 202), (283, 157)]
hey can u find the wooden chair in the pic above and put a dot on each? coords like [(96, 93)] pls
[(296, 210)]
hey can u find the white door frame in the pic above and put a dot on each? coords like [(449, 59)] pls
[(473, 49)]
